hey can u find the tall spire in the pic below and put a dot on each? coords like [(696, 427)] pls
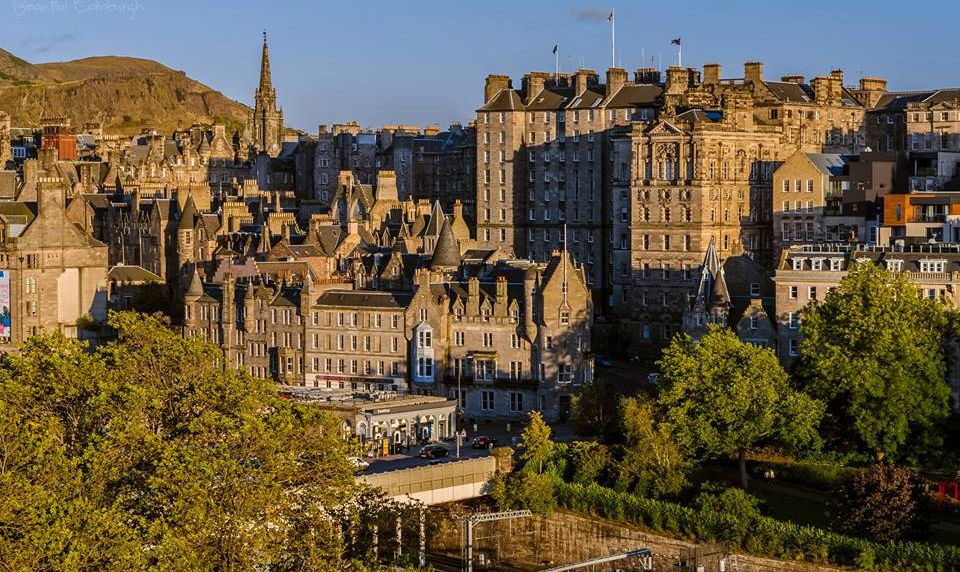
[(266, 84)]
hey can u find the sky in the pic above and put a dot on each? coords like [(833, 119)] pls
[(419, 62)]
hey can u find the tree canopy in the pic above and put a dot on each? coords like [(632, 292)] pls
[(148, 454), (723, 397), (653, 464), (873, 350), (535, 443)]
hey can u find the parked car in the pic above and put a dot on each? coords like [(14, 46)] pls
[(653, 379), (434, 451), (484, 442), (358, 464), (603, 361)]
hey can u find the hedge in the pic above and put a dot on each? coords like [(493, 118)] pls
[(766, 536)]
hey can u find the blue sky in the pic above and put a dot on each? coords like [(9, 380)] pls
[(420, 62)]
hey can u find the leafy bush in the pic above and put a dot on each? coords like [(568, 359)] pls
[(530, 491), (881, 502), (589, 462)]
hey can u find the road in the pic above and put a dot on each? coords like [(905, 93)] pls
[(406, 461)]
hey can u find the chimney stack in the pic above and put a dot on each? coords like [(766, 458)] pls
[(494, 85), (616, 78), (648, 76), (711, 73), (533, 84), (753, 72), (584, 78)]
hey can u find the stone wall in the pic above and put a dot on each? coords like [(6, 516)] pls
[(564, 538)]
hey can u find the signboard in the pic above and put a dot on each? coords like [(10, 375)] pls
[(5, 331)]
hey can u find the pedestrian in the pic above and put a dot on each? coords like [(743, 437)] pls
[(474, 426)]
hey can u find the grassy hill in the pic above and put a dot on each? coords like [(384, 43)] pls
[(126, 94)]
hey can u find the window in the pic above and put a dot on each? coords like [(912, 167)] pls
[(488, 339), (516, 370), (754, 289), (563, 373), (516, 402), (812, 292), (458, 338), (932, 265), (486, 400), (793, 292), (794, 320), (564, 317), (425, 367), (809, 185), (754, 322), (794, 347), (835, 264)]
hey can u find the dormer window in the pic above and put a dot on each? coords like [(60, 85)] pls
[(798, 264), (835, 264), (816, 264), (895, 265), (932, 265), (485, 314)]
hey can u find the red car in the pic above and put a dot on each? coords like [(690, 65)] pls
[(484, 442)]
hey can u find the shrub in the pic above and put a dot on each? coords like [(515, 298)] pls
[(881, 502)]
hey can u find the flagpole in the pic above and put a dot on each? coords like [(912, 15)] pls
[(556, 57), (680, 54), (613, 38)]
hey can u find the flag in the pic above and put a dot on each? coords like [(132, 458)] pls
[(675, 42), (610, 17), (555, 46)]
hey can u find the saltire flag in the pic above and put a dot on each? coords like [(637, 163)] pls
[(610, 17), (675, 42), (555, 46)]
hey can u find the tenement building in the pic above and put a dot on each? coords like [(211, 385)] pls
[(53, 275), (503, 337)]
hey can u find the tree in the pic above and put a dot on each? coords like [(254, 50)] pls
[(652, 463), (149, 454), (595, 410), (535, 444), (874, 352), (881, 502), (724, 397)]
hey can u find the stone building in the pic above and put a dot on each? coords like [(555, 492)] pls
[(54, 275), (808, 192), (265, 126), (509, 336)]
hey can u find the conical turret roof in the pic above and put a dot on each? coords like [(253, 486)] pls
[(447, 252)]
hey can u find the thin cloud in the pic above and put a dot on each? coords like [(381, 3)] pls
[(590, 13), (41, 45)]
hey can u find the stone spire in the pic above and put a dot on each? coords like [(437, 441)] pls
[(266, 84)]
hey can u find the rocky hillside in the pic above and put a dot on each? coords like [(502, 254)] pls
[(125, 94)]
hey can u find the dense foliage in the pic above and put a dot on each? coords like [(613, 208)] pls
[(147, 454), (880, 502), (873, 350), (652, 464), (723, 397), (730, 517)]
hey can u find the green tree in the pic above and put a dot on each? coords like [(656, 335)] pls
[(873, 350), (724, 397), (881, 502), (535, 444), (653, 463), (149, 454), (589, 462)]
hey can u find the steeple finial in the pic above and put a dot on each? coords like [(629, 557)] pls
[(266, 84)]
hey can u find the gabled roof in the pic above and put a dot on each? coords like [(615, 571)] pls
[(828, 163), (546, 100), (586, 100), (505, 100), (125, 273)]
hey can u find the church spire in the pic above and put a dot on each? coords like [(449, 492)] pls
[(266, 84)]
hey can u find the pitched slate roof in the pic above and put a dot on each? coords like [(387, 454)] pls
[(446, 254), (506, 100), (364, 299)]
